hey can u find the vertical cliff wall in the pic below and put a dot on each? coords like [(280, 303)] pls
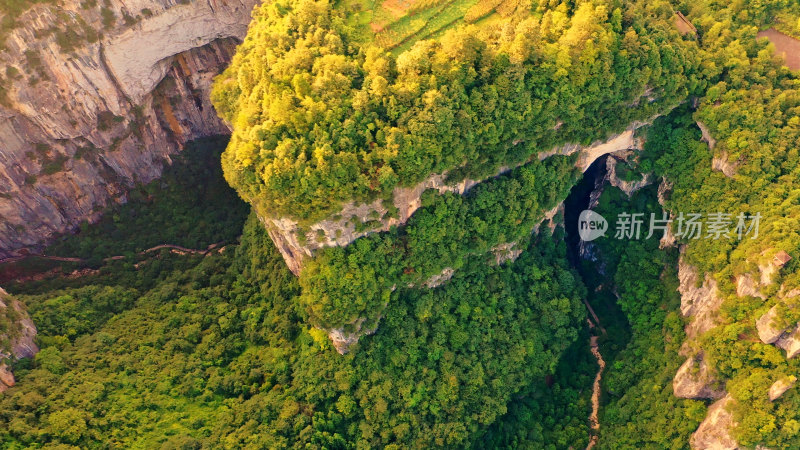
[(95, 99)]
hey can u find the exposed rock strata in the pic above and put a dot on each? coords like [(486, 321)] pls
[(80, 125), (721, 163)]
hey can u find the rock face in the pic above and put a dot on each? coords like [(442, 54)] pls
[(766, 331), (668, 239), (788, 340), (356, 220), (694, 379), (700, 302), (17, 334), (83, 118), (721, 163), (506, 252), (440, 278), (707, 135), (713, 432), (343, 339), (746, 286), (780, 387)]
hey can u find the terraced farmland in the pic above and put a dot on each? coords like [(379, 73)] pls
[(397, 24)]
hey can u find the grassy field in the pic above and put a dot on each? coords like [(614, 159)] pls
[(397, 24)]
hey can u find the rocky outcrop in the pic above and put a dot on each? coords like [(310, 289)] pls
[(440, 278), (84, 117), (355, 220), (721, 163), (790, 342), (17, 334), (746, 286), (343, 338), (767, 332), (770, 333), (707, 138), (668, 239), (628, 187), (695, 379), (780, 387), (505, 252), (626, 140), (714, 431), (698, 301)]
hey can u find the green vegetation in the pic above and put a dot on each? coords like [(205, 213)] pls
[(228, 349), (190, 206), (320, 118), (641, 348), (343, 284), (212, 351)]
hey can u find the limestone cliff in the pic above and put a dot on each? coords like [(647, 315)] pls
[(96, 98), (16, 336), (699, 301), (296, 242)]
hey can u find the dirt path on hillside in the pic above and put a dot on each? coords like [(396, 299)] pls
[(594, 421), (21, 275)]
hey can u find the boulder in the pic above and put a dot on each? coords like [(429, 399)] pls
[(695, 379), (766, 331), (780, 387), (714, 431), (790, 342)]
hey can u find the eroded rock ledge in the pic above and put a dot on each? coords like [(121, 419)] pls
[(356, 220)]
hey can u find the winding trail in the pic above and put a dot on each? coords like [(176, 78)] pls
[(177, 249), (594, 422), (22, 275)]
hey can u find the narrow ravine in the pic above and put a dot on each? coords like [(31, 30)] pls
[(577, 201)]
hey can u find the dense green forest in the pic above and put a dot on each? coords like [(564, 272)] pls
[(228, 349), (188, 350), (321, 117), (190, 206), (342, 284), (640, 410)]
